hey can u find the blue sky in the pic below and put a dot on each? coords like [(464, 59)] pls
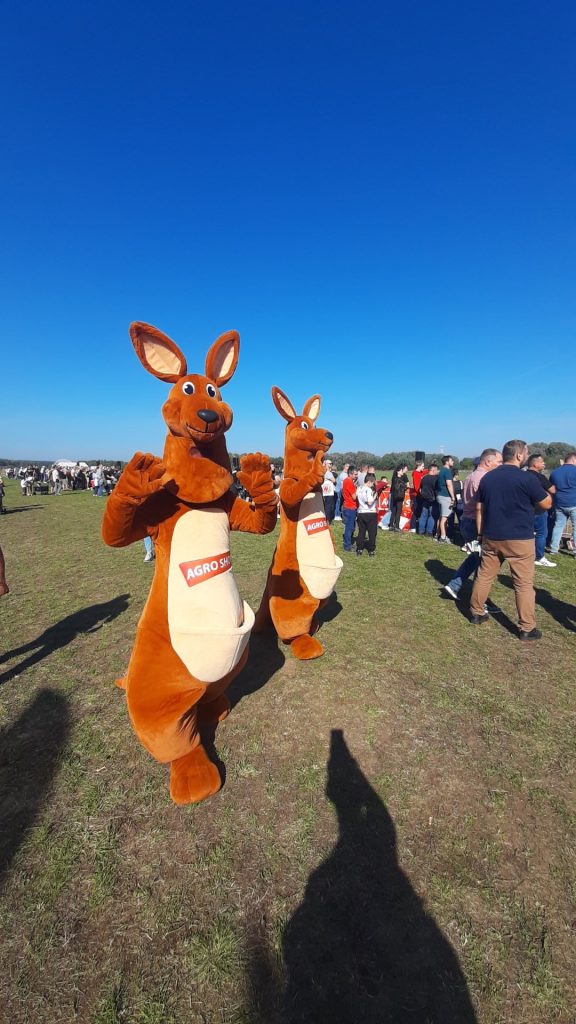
[(378, 196)]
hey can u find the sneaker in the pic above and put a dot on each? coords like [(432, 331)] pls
[(371, 554), (452, 593), (477, 620), (444, 540), (412, 531), (358, 552), (149, 556), (546, 562), (533, 634), (337, 519)]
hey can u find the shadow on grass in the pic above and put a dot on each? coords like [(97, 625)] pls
[(561, 611), (29, 754), (264, 660), (329, 611), (443, 574), (21, 508), (361, 948), (87, 620)]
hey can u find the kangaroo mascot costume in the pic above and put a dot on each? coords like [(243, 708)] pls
[(305, 567), (192, 638)]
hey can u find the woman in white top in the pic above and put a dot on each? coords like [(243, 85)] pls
[(367, 518)]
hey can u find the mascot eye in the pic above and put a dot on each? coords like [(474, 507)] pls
[(304, 425), (211, 390), (188, 388)]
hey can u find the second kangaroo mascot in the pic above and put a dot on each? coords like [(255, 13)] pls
[(305, 566), (192, 638)]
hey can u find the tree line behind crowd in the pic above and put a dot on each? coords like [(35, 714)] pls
[(553, 452)]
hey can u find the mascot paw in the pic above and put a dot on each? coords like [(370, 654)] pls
[(215, 711), (193, 777), (306, 647)]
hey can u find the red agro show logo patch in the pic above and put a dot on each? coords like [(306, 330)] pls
[(205, 568), (315, 525)]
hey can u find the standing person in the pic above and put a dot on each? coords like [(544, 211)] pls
[(564, 480), (505, 506), (4, 588), (418, 473), (56, 482), (490, 459), (362, 474), (367, 515), (150, 554), (339, 481), (428, 504), (397, 494), (445, 497), (329, 490), (537, 465), (349, 506)]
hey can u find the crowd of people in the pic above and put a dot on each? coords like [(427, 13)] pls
[(515, 514), (60, 477), (506, 509)]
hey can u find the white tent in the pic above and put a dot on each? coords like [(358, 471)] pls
[(67, 463)]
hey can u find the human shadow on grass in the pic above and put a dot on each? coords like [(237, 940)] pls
[(360, 948), (21, 508), (86, 620), (444, 573), (563, 612), (29, 755)]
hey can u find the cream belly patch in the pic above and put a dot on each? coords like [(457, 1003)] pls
[(318, 563), (209, 623)]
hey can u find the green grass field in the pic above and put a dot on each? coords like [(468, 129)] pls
[(395, 838)]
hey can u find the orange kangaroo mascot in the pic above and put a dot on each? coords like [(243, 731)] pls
[(305, 567), (192, 638)]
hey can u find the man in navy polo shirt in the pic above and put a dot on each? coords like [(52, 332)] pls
[(564, 480), (505, 505)]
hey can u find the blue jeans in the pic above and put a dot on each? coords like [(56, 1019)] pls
[(562, 516), (338, 505), (428, 518), (349, 517), (470, 564), (541, 531)]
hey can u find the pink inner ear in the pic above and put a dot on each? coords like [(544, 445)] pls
[(224, 360), (161, 359)]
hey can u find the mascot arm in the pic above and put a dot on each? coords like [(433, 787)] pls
[(293, 491), (260, 513), (124, 520)]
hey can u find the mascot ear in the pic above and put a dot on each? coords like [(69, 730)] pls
[(157, 352), (222, 358), (312, 408), (283, 404)]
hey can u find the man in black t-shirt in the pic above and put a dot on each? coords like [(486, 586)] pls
[(429, 506), (537, 466), (505, 504)]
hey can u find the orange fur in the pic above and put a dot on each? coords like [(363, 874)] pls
[(287, 603), (165, 701)]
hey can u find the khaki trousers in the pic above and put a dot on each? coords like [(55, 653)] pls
[(520, 556)]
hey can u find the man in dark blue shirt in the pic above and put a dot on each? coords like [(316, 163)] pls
[(505, 504), (564, 480)]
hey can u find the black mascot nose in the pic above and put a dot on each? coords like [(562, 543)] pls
[(208, 415), (329, 435)]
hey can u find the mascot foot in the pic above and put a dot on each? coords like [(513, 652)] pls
[(214, 711), (193, 777), (306, 647)]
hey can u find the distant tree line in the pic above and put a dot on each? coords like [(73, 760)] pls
[(552, 451)]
